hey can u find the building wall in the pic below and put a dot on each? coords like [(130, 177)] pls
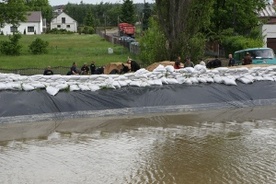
[(69, 24), (38, 28)]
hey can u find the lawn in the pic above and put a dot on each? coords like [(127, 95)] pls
[(63, 51)]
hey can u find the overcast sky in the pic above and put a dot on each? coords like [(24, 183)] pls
[(60, 2)]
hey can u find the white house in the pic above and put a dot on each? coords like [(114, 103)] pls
[(34, 25), (64, 21), (269, 28)]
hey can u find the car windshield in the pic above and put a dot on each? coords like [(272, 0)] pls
[(263, 53)]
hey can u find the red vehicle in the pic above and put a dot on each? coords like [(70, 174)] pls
[(126, 29)]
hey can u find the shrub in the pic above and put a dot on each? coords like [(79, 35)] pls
[(11, 47), (38, 46)]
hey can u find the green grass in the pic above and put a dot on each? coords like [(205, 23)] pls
[(63, 51)]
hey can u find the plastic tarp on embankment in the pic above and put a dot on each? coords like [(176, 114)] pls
[(136, 100)]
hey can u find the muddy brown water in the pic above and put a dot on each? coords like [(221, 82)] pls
[(225, 146)]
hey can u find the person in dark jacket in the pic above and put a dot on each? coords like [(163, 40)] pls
[(48, 71), (93, 68), (247, 60), (84, 69), (231, 60), (134, 66)]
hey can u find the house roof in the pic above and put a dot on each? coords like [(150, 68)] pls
[(34, 16), (268, 11)]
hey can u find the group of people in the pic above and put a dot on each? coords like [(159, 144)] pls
[(179, 64), (92, 69), (215, 63)]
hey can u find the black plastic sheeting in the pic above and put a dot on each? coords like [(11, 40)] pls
[(142, 100)]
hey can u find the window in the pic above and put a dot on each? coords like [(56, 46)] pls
[(30, 29), (63, 20), (13, 29), (68, 26), (58, 26)]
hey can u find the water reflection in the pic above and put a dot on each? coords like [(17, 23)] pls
[(215, 147)]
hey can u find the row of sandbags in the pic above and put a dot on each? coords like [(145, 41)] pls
[(161, 75)]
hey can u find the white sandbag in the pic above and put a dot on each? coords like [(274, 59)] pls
[(169, 68), (245, 80), (157, 82), (268, 78), (164, 80), (62, 86), (188, 81), (122, 77), (52, 90), (202, 80), (135, 83), (84, 87), (3, 86), (74, 87), (172, 81), (123, 83), (181, 80), (229, 81), (38, 85), (223, 69), (190, 69), (116, 84), (16, 86), (160, 68), (194, 80), (27, 87), (94, 87), (144, 84), (218, 79)]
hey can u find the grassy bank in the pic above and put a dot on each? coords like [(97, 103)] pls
[(63, 51)]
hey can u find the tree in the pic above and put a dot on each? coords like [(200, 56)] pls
[(43, 6), (241, 29), (153, 44), (11, 47), (12, 12), (127, 12), (145, 16), (180, 21)]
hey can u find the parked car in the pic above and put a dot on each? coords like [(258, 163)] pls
[(258, 55)]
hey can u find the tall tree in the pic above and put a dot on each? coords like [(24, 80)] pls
[(12, 12), (145, 16), (128, 12), (241, 15), (180, 21), (43, 6)]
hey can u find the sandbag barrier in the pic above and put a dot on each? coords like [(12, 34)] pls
[(161, 75)]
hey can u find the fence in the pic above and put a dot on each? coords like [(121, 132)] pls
[(133, 47)]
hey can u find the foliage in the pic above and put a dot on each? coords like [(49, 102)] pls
[(11, 47), (152, 45), (195, 48), (145, 16), (180, 21), (12, 12), (43, 6), (128, 12), (240, 15), (59, 31), (88, 30), (38, 46), (234, 43), (89, 19)]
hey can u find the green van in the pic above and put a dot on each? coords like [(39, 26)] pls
[(259, 56)]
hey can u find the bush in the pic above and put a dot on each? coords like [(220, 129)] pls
[(38, 46), (11, 47), (88, 30)]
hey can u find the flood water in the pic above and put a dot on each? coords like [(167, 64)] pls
[(227, 146)]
